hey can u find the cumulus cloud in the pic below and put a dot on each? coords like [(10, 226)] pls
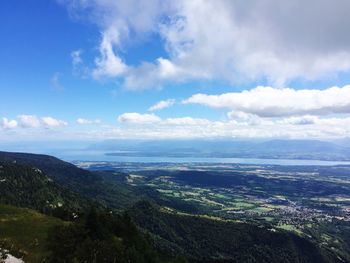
[(137, 118), (32, 121), (8, 124), (52, 122), (28, 121), (274, 102), (83, 121), (246, 118), (162, 105), (223, 39)]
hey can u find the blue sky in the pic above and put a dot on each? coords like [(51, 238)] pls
[(37, 41), (92, 69)]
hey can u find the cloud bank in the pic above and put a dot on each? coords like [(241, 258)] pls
[(237, 126), (274, 102), (150, 126)]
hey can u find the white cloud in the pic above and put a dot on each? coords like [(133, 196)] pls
[(141, 119), (109, 63), (162, 105), (83, 121), (8, 124), (242, 117), (149, 126), (32, 121), (238, 125), (274, 102), (52, 122), (137, 118), (186, 121), (223, 39), (28, 121), (302, 120)]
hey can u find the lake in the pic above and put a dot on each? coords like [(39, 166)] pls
[(101, 156)]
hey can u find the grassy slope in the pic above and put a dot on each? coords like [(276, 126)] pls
[(26, 231)]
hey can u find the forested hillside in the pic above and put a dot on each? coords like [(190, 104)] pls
[(27, 186), (96, 237), (213, 240)]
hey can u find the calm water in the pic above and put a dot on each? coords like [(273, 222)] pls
[(100, 156)]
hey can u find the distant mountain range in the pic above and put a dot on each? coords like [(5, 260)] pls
[(279, 149)]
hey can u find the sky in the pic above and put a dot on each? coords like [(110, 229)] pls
[(159, 69)]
